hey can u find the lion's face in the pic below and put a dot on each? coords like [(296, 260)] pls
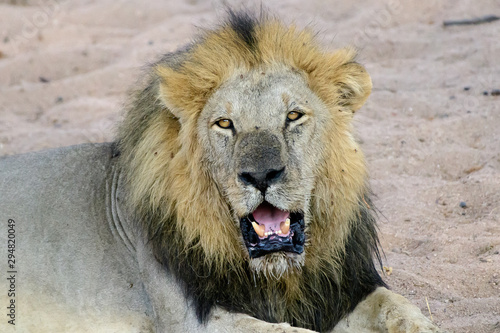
[(260, 132)]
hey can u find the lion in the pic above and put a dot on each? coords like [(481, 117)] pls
[(235, 198)]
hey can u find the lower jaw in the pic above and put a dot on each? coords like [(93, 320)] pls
[(277, 264), (259, 250)]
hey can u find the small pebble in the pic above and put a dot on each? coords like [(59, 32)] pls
[(495, 92), (59, 99), (485, 93), (463, 204), (43, 79), (467, 88)]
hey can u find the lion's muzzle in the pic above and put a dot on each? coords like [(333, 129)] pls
[(261, 160)]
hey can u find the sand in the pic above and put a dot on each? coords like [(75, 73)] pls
[(430, 130)]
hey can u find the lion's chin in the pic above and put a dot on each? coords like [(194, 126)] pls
[(277, 264)]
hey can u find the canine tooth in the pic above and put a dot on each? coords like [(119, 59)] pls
[(259, 229), (285, 226)]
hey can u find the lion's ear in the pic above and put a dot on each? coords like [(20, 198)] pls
[(183, 92), (339, 80), (354, 85), (167, 90)]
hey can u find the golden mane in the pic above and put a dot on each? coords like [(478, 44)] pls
[(171, 190), (166, 162)]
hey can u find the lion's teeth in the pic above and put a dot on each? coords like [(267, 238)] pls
[(285, 226), (259, 229)]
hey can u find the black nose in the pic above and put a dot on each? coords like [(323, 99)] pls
[(261, 180)]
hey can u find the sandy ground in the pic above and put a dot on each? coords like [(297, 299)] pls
[(430, 130)]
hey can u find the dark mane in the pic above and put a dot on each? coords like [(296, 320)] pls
[(243, 23), (326, 296)]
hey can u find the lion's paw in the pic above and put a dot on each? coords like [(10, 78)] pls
[(412, 325), (252, 325), (229, 322), (385, 311)]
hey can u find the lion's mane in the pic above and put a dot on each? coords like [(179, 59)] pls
[(188, 221)]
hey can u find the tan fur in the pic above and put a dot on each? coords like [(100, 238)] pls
[(168, 159), (385, 311)]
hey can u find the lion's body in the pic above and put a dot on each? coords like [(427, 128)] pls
[(235, 188), (68, 259)]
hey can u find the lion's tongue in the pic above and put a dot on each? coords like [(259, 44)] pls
[(270, 217)]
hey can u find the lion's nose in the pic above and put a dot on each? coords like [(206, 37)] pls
[(261, 180)]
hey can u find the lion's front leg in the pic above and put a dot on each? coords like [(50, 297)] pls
[(223, 321), (385, 311), (174, 313)]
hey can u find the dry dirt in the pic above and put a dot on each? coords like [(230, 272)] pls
[(430, 130)]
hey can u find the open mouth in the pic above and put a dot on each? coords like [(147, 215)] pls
[(269, 229)]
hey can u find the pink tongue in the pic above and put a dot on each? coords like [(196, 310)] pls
[(270, 216)]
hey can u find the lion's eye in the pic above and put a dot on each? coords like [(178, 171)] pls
[(224, 123), (294, 115)]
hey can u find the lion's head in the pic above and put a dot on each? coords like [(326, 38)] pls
[(239, 153)]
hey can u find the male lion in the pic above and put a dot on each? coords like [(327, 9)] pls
[(234, 199)]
